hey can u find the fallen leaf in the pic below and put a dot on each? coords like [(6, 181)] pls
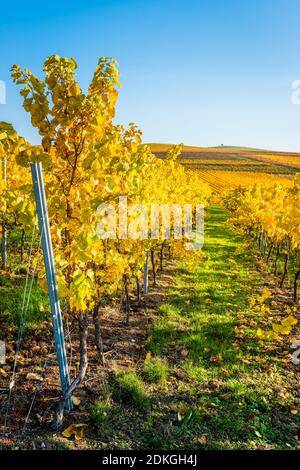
[(184, 415), (76, 401), (294, 411), (181, 411), (184, 352), (224, 371), (218, 358), (245, 361), (76, 430), (202, 440), (35, 377)]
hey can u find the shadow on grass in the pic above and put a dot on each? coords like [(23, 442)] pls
[(231, 398), (216, 395)]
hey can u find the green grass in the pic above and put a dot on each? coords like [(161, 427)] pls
[(12, 287), (208, 382), (101, 413), (12, 294), (129, 388)]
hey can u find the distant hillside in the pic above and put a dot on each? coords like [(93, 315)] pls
[(230, 157), (165, 148), (225, 148)]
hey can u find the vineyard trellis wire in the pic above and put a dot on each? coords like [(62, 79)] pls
[(22, 323)]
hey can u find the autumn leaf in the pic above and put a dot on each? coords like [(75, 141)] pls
[(245, 361), (224, 371), (184, 352), (181, 411), (260, 333), (184, 415), (217, 358), (289, 321), (148, 357), (76, 401), (76, 430), (202, 440)]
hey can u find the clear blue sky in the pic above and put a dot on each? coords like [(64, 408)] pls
[(203, 72)]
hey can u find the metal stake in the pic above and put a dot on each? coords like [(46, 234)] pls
[(4, 228), (146, 269), (42, 212)]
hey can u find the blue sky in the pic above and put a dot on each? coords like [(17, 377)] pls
[(203, 72)]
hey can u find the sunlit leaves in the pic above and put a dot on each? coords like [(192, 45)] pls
[(89, 161)]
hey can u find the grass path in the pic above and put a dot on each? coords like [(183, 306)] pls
[(202, 380), (233, 391)]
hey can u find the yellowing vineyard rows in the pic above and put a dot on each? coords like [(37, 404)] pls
[(196, 162), (89, 163), (271, 214), (293, 160), (220, 181)]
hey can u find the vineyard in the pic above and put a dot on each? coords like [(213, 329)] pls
[(223, 167), (167, 348), (221, 181)]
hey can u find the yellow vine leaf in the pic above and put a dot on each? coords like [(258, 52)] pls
[(148, 357), (76, 430), (202, 440), (76, 401)]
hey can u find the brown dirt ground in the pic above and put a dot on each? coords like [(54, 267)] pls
[(123, 346)]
